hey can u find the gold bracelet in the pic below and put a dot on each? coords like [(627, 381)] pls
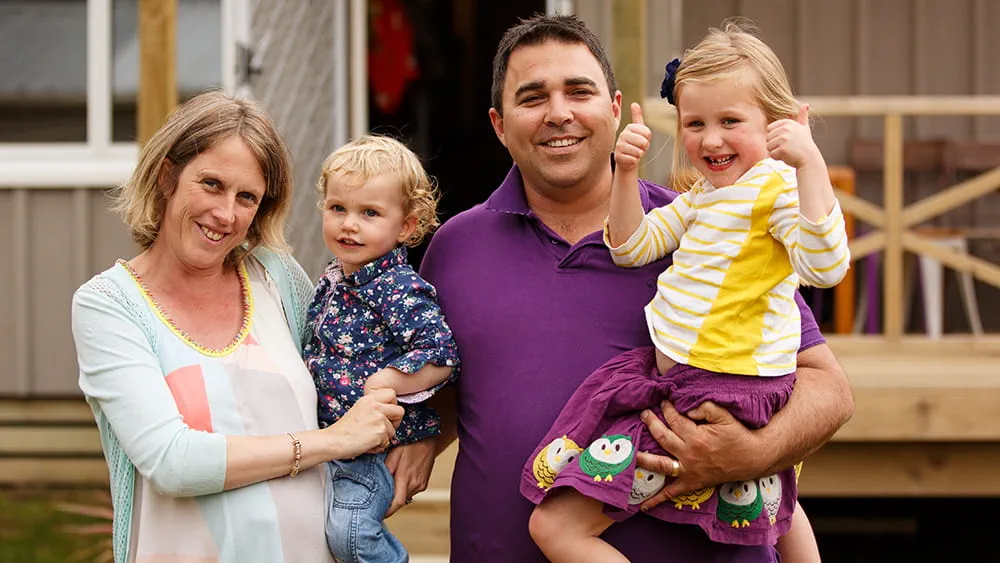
[(297, 450)]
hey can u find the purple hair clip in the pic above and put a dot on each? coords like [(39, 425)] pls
[(667, 88)]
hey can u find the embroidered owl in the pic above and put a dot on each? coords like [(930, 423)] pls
[(770, 492), (645, 484), (552, 459), (606, 457), (739, 503), (693, 499)]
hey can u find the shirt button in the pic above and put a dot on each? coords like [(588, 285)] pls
[(553, 241)]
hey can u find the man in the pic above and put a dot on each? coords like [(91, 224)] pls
[(536, 304)]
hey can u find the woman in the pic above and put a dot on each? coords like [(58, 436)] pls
[(189, 354)]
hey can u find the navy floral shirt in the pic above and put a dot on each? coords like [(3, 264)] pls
[(383, 315)]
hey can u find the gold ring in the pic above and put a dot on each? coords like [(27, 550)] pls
[(409, 500), (675, 470)]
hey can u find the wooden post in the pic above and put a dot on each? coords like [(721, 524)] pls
[(629, 53), (843, 178), (157, 65), (892, 288)]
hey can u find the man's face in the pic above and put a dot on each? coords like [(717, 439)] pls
[(559, 121)]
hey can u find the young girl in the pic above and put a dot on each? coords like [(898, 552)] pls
[(374, 323), (761, 218)]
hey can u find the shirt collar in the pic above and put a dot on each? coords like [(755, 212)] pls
[(334, 273), (510, 198)]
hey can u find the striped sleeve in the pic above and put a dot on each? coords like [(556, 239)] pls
[(818, 251), (658, 234)]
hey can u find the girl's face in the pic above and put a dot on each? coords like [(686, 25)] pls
[(363, 223), (723, 130)]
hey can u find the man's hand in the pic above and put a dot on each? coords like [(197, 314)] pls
[(411, 467), (633, 141), (711, 446)]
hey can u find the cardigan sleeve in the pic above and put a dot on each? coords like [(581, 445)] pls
[(121, 377)]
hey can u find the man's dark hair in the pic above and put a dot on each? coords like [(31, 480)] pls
[(537, 30)]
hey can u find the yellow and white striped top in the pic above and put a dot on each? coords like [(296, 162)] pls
[(727, 302)]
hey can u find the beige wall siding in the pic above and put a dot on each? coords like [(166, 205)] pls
[(53, 241), (296, 86)]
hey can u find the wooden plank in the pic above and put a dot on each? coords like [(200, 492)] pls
[(917, 347), (923, 414), (952, 197), (26, 441), (157, 65), (827, 106), (629, 52), (68, 411), (867, 212), (422, 527), (58, 472), (892, 279), (979, 268), (902, 470)]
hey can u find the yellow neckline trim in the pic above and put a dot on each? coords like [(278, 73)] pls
[(248, 309)]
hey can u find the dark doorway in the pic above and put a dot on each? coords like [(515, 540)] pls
[(443, 114)]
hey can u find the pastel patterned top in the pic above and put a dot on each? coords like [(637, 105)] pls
[(383, 315), (726, 304), (167, 405)]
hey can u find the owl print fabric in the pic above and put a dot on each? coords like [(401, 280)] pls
[(383, 315), (592, 448)]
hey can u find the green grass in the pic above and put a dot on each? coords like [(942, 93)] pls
[(38, 526)]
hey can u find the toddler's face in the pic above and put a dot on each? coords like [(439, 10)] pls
[(362, 223)]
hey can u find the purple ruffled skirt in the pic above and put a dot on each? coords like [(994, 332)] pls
[(592, 444)]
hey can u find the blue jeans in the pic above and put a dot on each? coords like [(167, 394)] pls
[(359, 493)]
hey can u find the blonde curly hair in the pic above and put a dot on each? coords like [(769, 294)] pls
[(370, 156)]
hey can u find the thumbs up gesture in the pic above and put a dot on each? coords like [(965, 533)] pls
[(633, 141), (791, 140)]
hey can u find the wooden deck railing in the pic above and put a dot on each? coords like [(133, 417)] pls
[(894, 221)]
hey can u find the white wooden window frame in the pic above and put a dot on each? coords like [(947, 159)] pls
[(99, 162)]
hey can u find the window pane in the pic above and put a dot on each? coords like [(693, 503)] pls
[(199, 57), (43, 71)]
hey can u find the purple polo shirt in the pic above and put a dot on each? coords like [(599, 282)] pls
[(533, 316)]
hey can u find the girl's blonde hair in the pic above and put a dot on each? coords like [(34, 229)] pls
[(194, 127), (735, 52), (370, 156)]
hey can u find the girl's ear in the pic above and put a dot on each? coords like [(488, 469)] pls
[(409, 225)]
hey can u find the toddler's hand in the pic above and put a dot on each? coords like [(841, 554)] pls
[(633, 141), (791, 140)]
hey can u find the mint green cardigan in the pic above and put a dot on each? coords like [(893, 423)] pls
[(296, 291)]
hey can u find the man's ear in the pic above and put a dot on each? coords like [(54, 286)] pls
[(409, 225), (497, 120), (616, 108)]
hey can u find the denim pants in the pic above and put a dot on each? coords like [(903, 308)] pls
[(358, 494)]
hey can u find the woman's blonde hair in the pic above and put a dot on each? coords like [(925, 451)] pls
[(194, 127), (370, 156), (735, 52)]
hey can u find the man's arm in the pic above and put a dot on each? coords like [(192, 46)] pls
[(411, 465), (713, 447)]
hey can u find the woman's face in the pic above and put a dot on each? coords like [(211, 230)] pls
[(214, 204)]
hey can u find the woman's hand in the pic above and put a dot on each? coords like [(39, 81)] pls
[(369, 425), (411, 467)]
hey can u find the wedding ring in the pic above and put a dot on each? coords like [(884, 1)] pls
[(675, 470), (409, 500)]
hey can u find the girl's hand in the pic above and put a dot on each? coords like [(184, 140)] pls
[(791, 140), (633, 141), (369, 425)]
